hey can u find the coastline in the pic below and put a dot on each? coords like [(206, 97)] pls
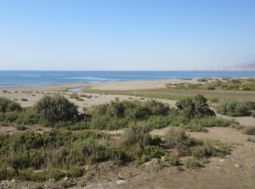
[(111, 85)]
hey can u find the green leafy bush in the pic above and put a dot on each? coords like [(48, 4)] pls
[(56, 108), (192, 163), (7, 105), (137, 133), (233, 108), (177, 138), (21, 127), (194, 108)]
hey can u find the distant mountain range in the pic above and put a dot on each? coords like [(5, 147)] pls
[(240, 67)]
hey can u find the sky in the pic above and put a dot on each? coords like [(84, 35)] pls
[(125, 34)]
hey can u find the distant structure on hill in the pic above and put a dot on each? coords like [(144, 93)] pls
[(241, 67), (247, 66)]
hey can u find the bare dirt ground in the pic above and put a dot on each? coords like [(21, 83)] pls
[(235, 171)]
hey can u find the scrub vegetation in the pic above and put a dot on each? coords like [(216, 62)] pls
[(222, 84), (62, 152)]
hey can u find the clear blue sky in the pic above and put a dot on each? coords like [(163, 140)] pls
[(125, 34)]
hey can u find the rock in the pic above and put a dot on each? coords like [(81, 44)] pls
[(163, 158), (52, 180), (66, 178), (152, 165), (13, 180), (238, 165), (38, 171)]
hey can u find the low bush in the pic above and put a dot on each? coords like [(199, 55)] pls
[(7, 105), (251, 140), (137, 133), (194, 108), (172, 160), (210, 122), (233, 108), (21, 128), (250, 130), (177, 138), (56, 108), (192, 163)]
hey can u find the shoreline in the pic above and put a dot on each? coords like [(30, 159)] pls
[(143, 84)]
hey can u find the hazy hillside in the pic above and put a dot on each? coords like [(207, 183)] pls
[(246, 66)]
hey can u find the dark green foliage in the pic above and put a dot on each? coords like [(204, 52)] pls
[(75, 172), (7, 105), (214, 100), (250, 104), (118, 114), (132, 109), (53, 109), (194, 108), (137, 133), (21, 127), (202, 80), (233, 108)]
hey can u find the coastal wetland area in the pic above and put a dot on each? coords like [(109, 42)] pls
[(142, 134)]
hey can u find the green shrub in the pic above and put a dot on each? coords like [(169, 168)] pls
[(251, 140), (7, 105), (10, 116), (192, 164), (172, 160), (202, 80), (79, 126), (177, 138), (137, 133), (56, 108), (75, 172), (250, 105), (194, 108), (21, 128), (27, 117), (66, 184), (198, 152), (214, 100), (250, 130), (210, 122), (2, 116), (153, 152), (233, 108)]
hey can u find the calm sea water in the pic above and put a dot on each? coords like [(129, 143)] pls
[(30, 78)]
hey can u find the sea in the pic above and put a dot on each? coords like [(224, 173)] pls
[(35, 78)]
